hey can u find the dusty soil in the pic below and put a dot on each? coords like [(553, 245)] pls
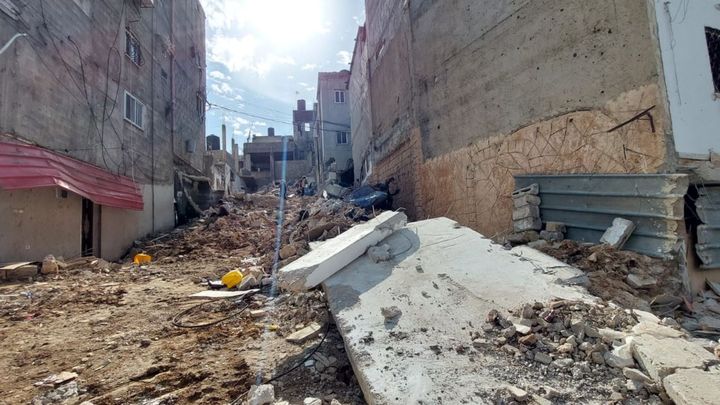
[(112, 325)]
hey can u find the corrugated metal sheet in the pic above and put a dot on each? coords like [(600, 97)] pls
[(25, 166), (708, 234), (587, 204)]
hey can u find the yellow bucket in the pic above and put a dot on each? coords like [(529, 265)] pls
[(232, 278), (142, 258)]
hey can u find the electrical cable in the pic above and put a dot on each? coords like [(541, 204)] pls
[(176, 318), (211, 105)]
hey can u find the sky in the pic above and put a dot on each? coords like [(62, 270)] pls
[(264, 55)]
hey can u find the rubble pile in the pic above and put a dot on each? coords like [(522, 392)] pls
[(581, 341), (702, 317), (630, 279)]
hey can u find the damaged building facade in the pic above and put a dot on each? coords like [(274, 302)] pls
[(266, 159), (624, 89), (332, 128), (100, 104)]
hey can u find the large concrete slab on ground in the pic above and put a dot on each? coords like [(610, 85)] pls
[(444, 279), (662, 357), (693, 386)]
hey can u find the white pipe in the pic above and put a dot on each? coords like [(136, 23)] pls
[(16, 36)]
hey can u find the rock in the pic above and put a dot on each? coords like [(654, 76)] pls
[(543, 358), (597, 358), (527, 312), (492, 316), (633, 386), (640, 282), (517, 393), (620, 357), (312, 401), (538, 244), (261, 394), (553, 226), (258, 313), (527, 224), (563, 363), (526, 199), (661, 357), (636, 375), (670, 322), (482, 343), (379, 253), (507, 333), (522, 237), (288, 251), (566, 348), (618, 233), (390, 313), (248, 283), (709, 323), (305, 333), (551, 236), (655, 329), (692, 386), (526, 211), (49, 265), (592, 332), (528, 340), (522, 329)]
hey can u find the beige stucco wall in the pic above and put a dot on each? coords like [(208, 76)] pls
[(37, 222), (119, 228)]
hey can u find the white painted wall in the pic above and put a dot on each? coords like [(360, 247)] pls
[(694, 108)]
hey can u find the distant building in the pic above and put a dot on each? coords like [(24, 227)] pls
[(108, 97), (332, 126), (222, 167), (266, 158)]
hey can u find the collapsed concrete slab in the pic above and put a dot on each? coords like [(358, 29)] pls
[(336, 253), (662, 357), (444, 279), (691, 387)]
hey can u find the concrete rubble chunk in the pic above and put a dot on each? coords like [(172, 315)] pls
[(533, 189), (636, 375), (312, 401), (620, 356), (336, 253), (641, 282), (527, 211), (527, 224), (380, 253), (305, 333), (526, 199), (618, 233), (693, 386), (517, 393), (261, 394), (662, 357), (657, 330), (552, 236)]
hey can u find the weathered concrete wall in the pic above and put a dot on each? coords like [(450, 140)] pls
[(508, 87), (36, 222), (360, 117), (334, 117), (119, 228)]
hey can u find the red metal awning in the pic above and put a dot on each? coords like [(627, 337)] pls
[(25, 166)]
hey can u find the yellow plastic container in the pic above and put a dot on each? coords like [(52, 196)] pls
[(142, 258), (232, 278)]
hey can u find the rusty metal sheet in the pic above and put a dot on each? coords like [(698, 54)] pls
[(587, 204)]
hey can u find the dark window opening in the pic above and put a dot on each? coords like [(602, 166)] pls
[(132, 48), (712, 36)]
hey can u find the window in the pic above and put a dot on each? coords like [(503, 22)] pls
[(339, 96), (342, 137), (134, 110), (712, 36), (307, 127), (132, 49)]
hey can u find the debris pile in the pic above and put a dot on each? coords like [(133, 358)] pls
[(630, 279), (584, 342)]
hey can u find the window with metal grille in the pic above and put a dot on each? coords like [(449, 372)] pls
[(342, 137), (134, 110), (712, 36), (132, 48)]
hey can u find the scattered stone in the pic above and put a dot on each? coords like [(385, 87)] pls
[(390, 313), (640, 282), (543, 358), (261, 394), (518, 238), (563, 363), (49, 265), (526, 211), (258, 313), (522, 329), (618, 233), (305, 333), (551, 236), (553, 226), (636, 375), (517, 393), (597, 358), (312, 401), (620, 357), (528, 340), (288, 251), (526, 199), (379, 253), (527, 224), (509, 332), (670, 322)]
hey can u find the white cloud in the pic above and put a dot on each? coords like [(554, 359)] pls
[(222, 88), (309, 66), (218, 75), (241, 54), (344, 57), (238, 98), (260, 123)]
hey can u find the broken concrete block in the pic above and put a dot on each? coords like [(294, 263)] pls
[(288, 251), (662, 357), (618, 233), (379, 253), (522, 237), (261, 394), (528, 211), (552, 236), (312, 401), (49, 265), (640, 282), (657, 330), (533, 189), (620, 357), (305, 333), (336, 253), (526, 199), (21, 271), (555, 226), (689, 387), (258, 313), (636, 375), (527, 224)]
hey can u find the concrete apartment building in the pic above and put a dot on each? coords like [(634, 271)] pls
[(332, 125), (266, 158), (101, 102), (469, 98), (303, 129)]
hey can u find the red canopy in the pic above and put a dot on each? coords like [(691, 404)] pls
[(25, 166)]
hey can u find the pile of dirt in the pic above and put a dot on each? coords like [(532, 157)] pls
[(571, 340), (630, 279)]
